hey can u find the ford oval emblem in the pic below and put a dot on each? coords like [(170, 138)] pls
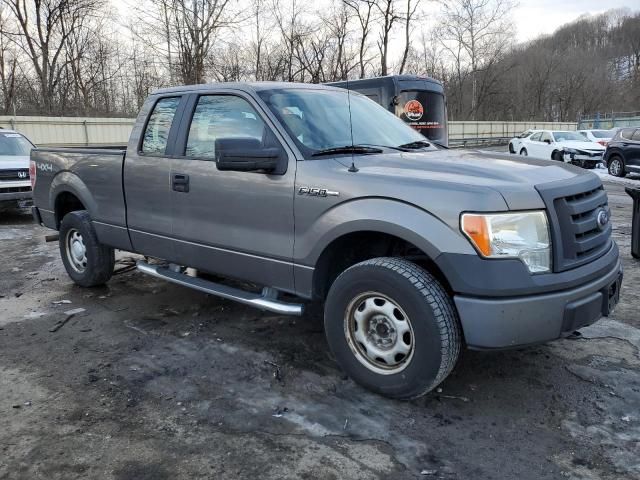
[(602, 218)]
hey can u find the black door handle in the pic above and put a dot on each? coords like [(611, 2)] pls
[(180, 182)]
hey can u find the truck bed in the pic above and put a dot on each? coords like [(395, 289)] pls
[(91, 176)]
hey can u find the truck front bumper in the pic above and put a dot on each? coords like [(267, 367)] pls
[(494, 323)]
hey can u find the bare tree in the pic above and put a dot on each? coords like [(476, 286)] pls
[(410, 12), (42, 30), (8, 70), (388, 16), (476, 33), (364, 10)]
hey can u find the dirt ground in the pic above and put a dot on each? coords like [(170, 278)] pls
[(155, 381)]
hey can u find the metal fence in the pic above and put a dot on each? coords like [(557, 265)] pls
[(479, 132), (78, 131), (71, 131), (606, 120)]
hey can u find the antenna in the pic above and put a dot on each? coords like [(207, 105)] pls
[(352, 168)]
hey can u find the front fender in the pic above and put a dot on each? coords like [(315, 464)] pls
[(382, 215)]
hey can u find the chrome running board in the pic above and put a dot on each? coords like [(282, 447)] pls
[(266, 301)]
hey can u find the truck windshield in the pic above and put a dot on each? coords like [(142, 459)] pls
[(424, 111), (14, 145), (319, 120)]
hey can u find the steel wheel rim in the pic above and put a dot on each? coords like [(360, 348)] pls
[(379, 333), (615, 167), (76, 250)]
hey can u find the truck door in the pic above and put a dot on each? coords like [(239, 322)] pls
[(146, 176), (237, 224)]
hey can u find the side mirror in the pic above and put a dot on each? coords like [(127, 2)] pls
[(245, 155), (546, 140)]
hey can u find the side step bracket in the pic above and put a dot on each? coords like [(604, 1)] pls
[(266, 301)]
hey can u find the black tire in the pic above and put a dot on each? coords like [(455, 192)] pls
[(511, 149), (430, 313), (524, 152), (557, 156), (96, 266), (616, 170)]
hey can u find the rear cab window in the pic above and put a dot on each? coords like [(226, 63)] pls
[(424, 111), (156, 134)]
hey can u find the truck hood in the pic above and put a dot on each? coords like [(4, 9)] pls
[(514, 178), (13, 162), (582, 145)]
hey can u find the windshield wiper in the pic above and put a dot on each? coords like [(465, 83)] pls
[(347, 149), (415, 145), (400, 149)]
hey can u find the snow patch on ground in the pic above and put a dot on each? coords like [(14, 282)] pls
[(633, 179)]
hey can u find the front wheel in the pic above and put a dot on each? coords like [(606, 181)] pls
[(87, 261), (392, 327), (523, 152)]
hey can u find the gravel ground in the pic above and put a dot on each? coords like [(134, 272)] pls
[(155, 381)]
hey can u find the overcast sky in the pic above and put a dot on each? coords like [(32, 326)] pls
[(537, 17)]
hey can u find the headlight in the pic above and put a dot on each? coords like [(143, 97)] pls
[(569, 150), (523, 235)]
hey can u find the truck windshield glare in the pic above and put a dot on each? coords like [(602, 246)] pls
[(319, 120)]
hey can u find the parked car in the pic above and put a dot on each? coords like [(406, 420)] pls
[(603, 137), (15, 185), (623, 152), (322, 193), (563, 146), (515, 143)]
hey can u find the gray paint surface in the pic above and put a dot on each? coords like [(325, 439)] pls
[(256, 227)]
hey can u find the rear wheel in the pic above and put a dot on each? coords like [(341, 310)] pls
[(392, 327), (511, 149), (616, 167), (87, 261)]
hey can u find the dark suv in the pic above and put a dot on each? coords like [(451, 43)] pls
[(623, 152)]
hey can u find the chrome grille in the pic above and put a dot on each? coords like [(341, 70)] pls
[(14, 174)]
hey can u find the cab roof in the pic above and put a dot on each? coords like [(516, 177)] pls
[(243, 86)]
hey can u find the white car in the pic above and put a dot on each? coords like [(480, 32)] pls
[(563, 146), (516, 142), (603, 137), (15, 183)]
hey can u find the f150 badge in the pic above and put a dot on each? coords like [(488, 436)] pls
[(317, 192)]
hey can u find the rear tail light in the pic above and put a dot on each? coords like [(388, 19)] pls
[(32, 173)]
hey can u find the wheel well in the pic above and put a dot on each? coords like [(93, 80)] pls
[(66, 202), (357, 247)]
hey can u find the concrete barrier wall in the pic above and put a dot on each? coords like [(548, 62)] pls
[(78, 131)]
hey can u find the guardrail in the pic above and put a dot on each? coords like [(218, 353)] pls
[(478, 142)]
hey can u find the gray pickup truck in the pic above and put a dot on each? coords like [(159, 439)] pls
[(415, 250)]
